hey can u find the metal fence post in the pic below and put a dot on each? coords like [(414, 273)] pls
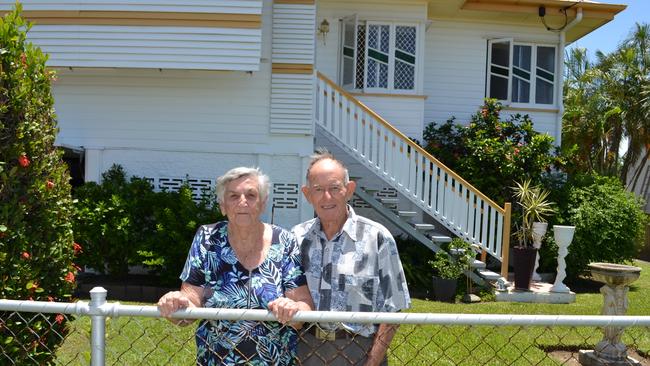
[(97, 327)]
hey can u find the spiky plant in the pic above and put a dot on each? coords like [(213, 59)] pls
[(535, 206)]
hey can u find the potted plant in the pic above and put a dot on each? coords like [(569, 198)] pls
[(449, 265), (535, 207)]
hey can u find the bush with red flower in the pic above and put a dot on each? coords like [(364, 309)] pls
[(492, 153), (36, 250)]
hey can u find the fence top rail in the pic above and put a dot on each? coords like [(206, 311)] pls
[(115, 309), (411, 143)]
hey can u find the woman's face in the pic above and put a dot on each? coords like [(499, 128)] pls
[(242, 202)]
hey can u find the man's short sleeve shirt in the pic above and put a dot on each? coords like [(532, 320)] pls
[(358, 270)]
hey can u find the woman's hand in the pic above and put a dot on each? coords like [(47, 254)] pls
[(187, 297), (172, 301), (284, 309)]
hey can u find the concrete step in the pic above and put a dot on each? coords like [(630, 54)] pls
[(388, 201), (440, 238), (478, 264), (424, 227), (488, 275), (370, 191), (407, 213), (456, 252)]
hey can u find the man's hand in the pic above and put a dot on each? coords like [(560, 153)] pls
[(284, 308)]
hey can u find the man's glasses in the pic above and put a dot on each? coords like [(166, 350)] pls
[(333, 190)]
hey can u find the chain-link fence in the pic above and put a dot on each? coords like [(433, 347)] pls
[(99, 333)]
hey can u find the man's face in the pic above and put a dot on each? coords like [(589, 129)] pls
[(327, 192)]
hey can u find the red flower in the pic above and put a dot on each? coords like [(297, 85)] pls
[(49, 184), (23, 160), (69, 277), (23, 59), (516, 151), (59, 318), (25, 255), (77, 248)]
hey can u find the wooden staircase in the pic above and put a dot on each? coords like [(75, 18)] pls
[(432, 188)]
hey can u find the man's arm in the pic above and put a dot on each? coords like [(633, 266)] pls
[(382, 340)]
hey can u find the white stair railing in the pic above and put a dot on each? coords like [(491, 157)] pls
[(407, 167)]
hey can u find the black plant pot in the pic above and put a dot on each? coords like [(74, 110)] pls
[(524, 263), (444, 289)]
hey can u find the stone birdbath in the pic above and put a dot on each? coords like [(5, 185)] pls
[(610, 350)]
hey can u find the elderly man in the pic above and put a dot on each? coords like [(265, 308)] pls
[(351, 264)]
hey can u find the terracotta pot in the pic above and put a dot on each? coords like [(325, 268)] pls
[(444, 289), (524, 263)]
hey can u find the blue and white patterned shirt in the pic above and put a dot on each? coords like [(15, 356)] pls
[(358, 270), (212, 264)]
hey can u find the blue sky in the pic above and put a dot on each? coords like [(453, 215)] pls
[(607, 37)]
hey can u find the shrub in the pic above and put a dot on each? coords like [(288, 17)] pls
[(176, 217), (415, 257), (451, 262), (36, 242), (113, 220), (491, 153), (446, 142), (124, 222), (609, 223)]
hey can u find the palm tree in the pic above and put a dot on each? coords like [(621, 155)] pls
[(608, 103)]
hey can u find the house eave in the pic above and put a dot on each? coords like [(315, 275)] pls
[(525, 12)]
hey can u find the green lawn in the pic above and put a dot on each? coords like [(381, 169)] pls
[(146, 341)]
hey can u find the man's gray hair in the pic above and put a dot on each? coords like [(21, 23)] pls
[(322, 153), (263, 181)]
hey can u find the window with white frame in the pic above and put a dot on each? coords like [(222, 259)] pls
[(521, 73), (379, 56)]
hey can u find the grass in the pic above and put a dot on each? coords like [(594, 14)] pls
[(148, 341)]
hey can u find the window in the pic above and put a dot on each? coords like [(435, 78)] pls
[(378, 56), (521, 73)]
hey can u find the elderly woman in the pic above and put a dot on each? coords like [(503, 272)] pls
[(242, 263)]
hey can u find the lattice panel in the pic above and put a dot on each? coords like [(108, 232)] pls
[(199, 186), (361, 55), (359, 203), (404, 76), (285, 195), (170, 184), (405, 39), (387, 192)]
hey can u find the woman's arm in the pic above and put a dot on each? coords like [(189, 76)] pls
[(189, 296), (297, 299)]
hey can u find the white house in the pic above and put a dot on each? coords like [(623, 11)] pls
[(191, 88)]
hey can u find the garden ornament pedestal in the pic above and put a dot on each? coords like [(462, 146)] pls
[(539, 230), (563, 236), (610, 350)]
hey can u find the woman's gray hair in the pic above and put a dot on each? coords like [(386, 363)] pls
[(263, 181)]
